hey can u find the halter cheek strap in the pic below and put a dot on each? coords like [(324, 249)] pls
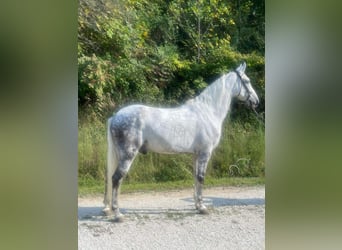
[(244, 84)]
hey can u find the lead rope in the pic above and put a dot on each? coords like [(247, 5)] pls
[(260, 117)]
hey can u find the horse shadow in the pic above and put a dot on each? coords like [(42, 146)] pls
[(95, 213), (222, 202)]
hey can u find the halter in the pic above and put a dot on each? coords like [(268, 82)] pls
[(260, 118), (244, 84)]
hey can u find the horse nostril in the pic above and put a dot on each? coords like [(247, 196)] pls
[(255, 104)]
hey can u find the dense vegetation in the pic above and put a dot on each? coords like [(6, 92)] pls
[(162, 53)]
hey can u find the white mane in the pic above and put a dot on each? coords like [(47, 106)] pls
[(216, 97)]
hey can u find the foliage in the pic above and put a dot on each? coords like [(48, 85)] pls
[(201, 23), (163, 51), (249, 30)]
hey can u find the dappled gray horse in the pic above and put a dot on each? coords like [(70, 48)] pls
[(194, 127)]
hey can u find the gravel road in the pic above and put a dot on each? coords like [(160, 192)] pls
[(168, 220)]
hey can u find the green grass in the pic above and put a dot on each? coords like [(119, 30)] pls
[(89, 186)]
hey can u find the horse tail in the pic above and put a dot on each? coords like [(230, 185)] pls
[(112, 163)]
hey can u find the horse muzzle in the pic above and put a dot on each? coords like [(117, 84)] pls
[(253, 103)]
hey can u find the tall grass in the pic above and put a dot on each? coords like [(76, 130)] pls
[(92, 147), (239, 154)]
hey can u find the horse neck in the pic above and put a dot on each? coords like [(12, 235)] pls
[(217, 97)]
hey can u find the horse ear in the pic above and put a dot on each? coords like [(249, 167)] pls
[(241, 67)]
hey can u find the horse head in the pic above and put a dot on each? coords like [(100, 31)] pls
[(245, 91)]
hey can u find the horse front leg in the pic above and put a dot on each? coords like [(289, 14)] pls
[(200, 166)]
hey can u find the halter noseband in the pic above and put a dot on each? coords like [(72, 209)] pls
[(244, 84)]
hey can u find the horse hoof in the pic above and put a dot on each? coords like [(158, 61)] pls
[(203, 211), (108, 212), (118, 219)]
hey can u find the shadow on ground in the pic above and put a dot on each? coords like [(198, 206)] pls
[(95, 213), (220, 202)]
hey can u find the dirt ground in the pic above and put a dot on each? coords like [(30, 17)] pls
[(168, 220)]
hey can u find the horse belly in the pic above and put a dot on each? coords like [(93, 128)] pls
[(177, 138)]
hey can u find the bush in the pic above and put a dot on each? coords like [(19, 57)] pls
[(96, 81)]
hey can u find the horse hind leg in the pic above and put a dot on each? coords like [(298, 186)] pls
[(127, 153), (128, 140)]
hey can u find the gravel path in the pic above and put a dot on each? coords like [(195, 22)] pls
[(167, 220)]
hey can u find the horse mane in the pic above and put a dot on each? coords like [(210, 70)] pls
[(216, 96)]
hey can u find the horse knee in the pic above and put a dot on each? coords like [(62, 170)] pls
[(200, 178), (117, 176), (202, 162)]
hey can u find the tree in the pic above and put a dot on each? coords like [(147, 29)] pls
[(201, 25), (249, 32), (160, 51)]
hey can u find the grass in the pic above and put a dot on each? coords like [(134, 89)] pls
[(96, 187)]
